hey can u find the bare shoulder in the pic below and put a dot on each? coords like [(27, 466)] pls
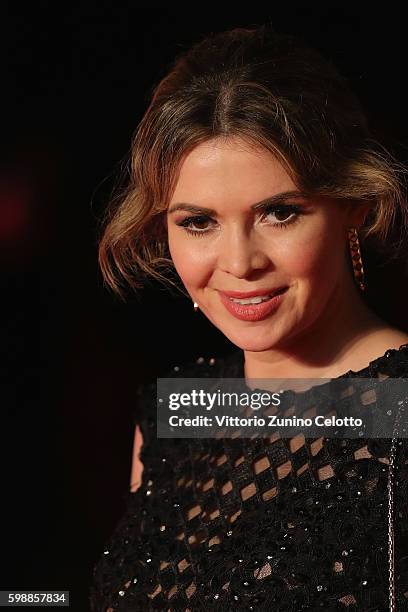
[(391, 338), (380, 340), (137, 465), (370, 346)]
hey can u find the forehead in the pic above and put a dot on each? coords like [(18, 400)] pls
[(232, 164)]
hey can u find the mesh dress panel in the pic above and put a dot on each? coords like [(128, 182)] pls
[(283, 524)]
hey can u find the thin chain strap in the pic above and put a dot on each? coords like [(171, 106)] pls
[(391, 539)]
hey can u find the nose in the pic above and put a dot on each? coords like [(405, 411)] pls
[(240, 253)]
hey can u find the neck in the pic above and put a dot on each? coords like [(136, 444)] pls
[(344, 337)]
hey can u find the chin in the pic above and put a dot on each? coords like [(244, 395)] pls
[(254, 340)]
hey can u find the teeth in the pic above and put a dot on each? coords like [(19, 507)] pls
[(254, 300)]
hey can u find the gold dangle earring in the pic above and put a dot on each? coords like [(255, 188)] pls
[(195, 306), (356, 260)]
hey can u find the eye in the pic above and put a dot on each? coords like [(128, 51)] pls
[(191, 223), (289, 212), (199, 225)]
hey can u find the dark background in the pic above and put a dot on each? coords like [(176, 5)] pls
[(75, 81)]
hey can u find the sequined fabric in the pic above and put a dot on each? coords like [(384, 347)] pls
[(254, 524)]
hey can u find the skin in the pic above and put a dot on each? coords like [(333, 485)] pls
[(322, 325)]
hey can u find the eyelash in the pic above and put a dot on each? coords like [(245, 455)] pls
[(274, 208)]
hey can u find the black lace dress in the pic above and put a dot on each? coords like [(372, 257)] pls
[(251, 524)]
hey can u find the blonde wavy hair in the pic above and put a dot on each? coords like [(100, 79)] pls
[(273, 91)]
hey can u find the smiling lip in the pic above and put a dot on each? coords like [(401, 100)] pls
[(249, 294), (252, 312)]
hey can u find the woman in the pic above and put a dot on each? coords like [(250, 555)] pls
[(254, 173)]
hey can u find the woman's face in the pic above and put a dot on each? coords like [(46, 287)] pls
[(293, 244)]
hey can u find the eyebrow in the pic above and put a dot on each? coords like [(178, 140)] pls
[(279, 198)]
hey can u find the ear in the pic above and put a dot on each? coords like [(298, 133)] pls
[(357, 212)]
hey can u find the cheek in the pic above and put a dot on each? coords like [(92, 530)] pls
[(313, 259), (193, 262)]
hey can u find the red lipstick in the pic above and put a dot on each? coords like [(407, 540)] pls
[(252, 312)]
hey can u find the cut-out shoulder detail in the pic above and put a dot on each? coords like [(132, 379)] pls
[(260, 524)]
